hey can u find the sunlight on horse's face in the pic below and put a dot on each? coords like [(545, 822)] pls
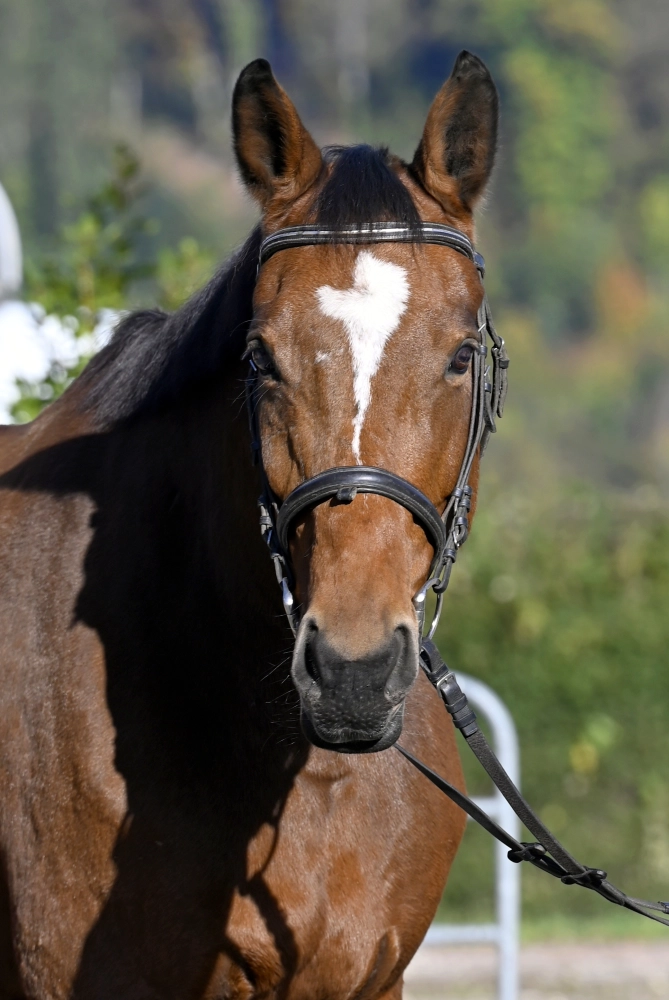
[(364, 354), (364, 357)]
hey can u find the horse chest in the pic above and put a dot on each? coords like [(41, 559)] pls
[(339, 893)]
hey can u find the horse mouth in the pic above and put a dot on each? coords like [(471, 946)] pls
[(351, 741)]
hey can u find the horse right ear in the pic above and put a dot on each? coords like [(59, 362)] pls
[(275, 153), (455, 157)]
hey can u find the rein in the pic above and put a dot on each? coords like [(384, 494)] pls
[(547, 854), (446, 530)]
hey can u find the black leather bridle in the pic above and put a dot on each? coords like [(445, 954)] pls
[(446, 531)]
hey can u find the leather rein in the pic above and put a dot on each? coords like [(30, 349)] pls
[(446, 530)]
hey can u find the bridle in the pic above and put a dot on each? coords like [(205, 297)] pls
[(446, 531)]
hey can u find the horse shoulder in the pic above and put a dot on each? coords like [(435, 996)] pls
[(63, 800)]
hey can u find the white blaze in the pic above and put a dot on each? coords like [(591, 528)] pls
[(371, 311)]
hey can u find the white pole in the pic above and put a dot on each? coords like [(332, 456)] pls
[(504, 932), (11, 258), (508, 874)]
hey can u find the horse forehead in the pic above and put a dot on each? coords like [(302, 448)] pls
[(371, 293)]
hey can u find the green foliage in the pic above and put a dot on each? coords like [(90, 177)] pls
[(180, 272), (97, 269), (654, 219), (563, 115), (559, 603), (94, 268), (96, 262)]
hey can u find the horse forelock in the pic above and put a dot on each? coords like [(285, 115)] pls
[(363, 186)]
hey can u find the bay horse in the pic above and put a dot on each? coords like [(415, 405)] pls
[(167, 830)]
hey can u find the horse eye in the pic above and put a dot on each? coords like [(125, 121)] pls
[(461, 359), (262, 359)]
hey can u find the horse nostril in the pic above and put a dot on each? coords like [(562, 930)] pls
[(348, 700), (403, 665), (310, 664)]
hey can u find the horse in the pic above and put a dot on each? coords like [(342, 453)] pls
[(195, 805)]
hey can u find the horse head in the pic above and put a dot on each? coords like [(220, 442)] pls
[(364, 357)]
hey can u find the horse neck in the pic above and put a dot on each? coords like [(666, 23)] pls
[(180, 590), (182, 493)]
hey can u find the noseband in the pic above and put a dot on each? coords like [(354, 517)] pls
[(446, 530)]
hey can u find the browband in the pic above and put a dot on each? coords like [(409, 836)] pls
[(372, 232)]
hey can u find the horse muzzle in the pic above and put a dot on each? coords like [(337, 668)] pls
[(353, 704)]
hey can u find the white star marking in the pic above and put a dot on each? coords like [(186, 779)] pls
[(371, 311)]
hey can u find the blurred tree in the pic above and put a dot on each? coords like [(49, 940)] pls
[(559, 604), (55, 65), (95, 273), (97, 258)]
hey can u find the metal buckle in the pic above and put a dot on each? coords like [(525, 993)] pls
[(289, 606), (419, 602)]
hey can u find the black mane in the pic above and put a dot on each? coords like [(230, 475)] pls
[(155, 356)]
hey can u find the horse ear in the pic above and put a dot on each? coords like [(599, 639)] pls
[(455, 156), (274, 151)]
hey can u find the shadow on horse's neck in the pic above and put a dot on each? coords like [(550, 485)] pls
[(181, 593), (177, 581), (176, 529)]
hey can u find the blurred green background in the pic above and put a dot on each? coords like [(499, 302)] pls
[(115, 149)]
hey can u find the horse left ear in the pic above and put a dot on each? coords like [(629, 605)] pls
[(274, 151), (455, 156)]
